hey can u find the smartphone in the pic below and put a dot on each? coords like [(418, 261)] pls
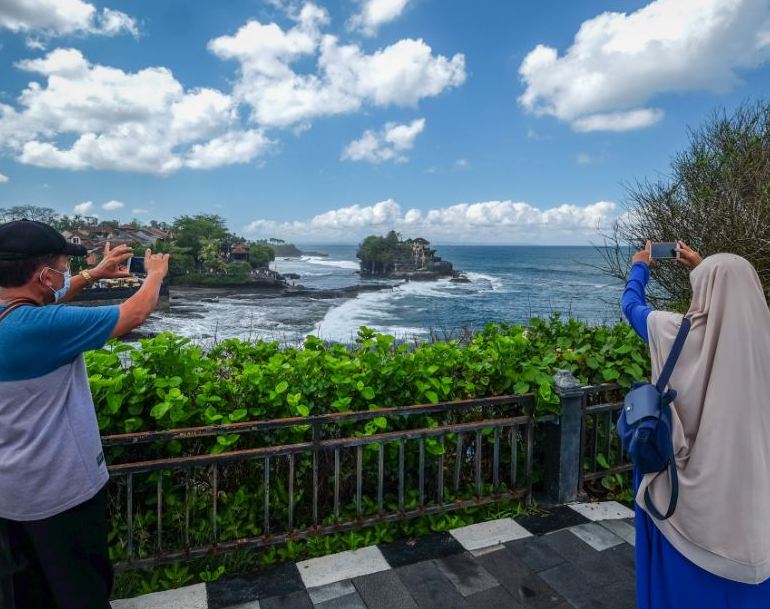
[(136, 265), (664, 251)]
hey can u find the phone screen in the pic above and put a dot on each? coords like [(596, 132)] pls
[(136, 265), (664, 250)]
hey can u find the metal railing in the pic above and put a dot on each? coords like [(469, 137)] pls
[(335, 478), (602, 453)]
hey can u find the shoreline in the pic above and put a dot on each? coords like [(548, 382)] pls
[(209, 293)]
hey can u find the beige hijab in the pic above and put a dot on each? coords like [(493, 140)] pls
[(721, 422)]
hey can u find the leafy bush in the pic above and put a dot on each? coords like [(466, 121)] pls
[(168, 382)]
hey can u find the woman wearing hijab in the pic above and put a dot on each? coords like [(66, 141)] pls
[(714, 551)]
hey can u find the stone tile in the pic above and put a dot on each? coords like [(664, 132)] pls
[(494, 598), (492, 533), (603, 510), (622, 529), (467, 575), (384, 590), (569, 545), (536, 553), (621, 595), (488, 550), (520, 581), (609, 567), (429, 588), (571, 582), (584, 593), (625, 556), (296, 600), (330, 591), (552, 519), (349, 601), (189, 597), (345, 565), (276, 581), (596, 536), (409, 551), (249, 605)]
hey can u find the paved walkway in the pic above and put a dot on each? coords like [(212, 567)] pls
[(578, 556)]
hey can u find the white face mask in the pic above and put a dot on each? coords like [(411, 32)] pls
[(59, 294)]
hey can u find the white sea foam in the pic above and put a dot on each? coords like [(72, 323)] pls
[(340, 264), (371, 309), (495, 282)]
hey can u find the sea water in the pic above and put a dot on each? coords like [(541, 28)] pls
[(507, 284)]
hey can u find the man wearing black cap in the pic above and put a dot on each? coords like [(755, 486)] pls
[(53, 531)]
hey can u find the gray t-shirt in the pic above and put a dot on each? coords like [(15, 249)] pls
[(50, 451)]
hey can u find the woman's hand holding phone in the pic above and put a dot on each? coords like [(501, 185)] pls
[(688, 256), (643, 255)]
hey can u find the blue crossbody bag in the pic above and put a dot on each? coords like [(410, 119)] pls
[(644, 426)]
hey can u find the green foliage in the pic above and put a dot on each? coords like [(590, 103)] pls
[(260, 255), (168, 382), (380, 255), (193, 233), (238, 269)]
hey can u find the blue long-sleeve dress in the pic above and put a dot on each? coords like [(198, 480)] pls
[(664, 578)]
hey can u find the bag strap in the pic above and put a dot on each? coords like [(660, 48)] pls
[(676, 351), (15, 304), (674, 493)]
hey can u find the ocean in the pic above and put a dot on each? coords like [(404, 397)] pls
[(507, 283)]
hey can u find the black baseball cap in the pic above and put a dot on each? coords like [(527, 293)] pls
[(23, 239)]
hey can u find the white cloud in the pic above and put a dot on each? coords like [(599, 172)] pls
[(344, 77), (141, 121), (85, 208), (584, 159), (35, 44), (619, 121), (138, 211), (375, 13), (462, 164), (490, 221), (113, 205), (389, 144), (618, 62), (230, 148), (3, 178), (62, 17)]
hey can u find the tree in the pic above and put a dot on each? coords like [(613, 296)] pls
[(381, 255), (239, 269), (180, 261), (716, 198), (211, 256), (192, 231), (30, 212), (260, 255)]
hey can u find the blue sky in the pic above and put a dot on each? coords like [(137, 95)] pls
[(465, 122)]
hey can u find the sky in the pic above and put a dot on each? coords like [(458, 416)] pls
[(484, 121)]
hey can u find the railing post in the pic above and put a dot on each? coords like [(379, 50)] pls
[(562, 457)]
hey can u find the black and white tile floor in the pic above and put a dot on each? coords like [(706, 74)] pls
[(579, 555)]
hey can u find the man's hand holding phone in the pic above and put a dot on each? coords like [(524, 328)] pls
[(155, 264)]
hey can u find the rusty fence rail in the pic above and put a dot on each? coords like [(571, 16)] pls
[(438, 458), (303, 477), (602, 452)]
